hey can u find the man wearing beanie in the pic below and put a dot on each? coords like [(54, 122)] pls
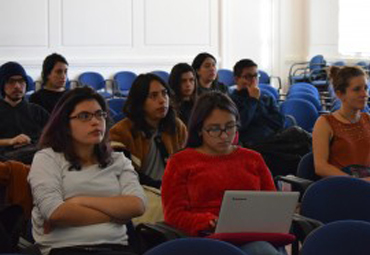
[(21, 123)]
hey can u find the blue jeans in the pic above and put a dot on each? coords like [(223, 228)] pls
[(260, 248)]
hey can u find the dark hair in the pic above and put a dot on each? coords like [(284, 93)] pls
[(241, 64), (134, 106), (175, 83), (203, 108), (342, 76), (199, 59), (48, 65), (57, 132)]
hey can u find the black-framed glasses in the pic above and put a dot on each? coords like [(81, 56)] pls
[(87, 116), (217, 131), (13, 81), (250, 77)]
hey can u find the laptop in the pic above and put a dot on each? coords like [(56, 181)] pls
[(256, 211)]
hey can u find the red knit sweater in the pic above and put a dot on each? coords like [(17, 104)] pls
[(194, 183)]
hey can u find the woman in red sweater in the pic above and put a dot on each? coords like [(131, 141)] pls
[(195, 179)]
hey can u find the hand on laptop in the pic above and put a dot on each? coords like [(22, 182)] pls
[(213, 223)]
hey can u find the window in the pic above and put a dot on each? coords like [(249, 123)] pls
[(354, 20)]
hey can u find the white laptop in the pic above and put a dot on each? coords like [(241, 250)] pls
[(256, 211)]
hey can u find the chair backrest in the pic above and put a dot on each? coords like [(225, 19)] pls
[(268, 93), (317, 62), (337, 198), (306, 168), (116, 104), (339, 238), (264, 77), (201, 246), (307, 96), (304, 87), (123, 80), (92, 79), (363, 64), (226, 76), (271, 89), (304, 112), (339, 63), (31, 86), (162, 74)]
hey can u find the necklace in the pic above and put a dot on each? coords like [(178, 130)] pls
[(351, 120)]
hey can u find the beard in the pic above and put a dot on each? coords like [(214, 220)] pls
[(14, 97)]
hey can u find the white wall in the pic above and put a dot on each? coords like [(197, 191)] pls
[(143, 35)]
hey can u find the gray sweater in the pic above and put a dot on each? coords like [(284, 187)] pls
[(52, 183)]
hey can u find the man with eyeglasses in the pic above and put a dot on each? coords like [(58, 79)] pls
[(262, 125), (259, 115), (21, 123)]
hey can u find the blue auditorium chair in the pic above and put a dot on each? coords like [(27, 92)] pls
[(304, 112), (339, 238), (226, 76), (162, 74), (123, 81), (96, 81), (196, 246)]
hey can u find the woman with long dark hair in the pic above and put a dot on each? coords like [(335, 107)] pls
[(183, 83), (205, 66), (196, 178), (83, 192)]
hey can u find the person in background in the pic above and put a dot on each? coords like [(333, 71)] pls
[(183, 83), (21, 123), (151, 132), (260, 117), (196, 178), (83, 192), (205, 68), (341, 140), (54, 78)]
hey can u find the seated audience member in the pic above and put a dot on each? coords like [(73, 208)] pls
[(54, 77), (21, 123), (83, 192), (183, 83), (262, 124), (196, 178), (151, 130), (259, 115), (341, 140), (205, 68)]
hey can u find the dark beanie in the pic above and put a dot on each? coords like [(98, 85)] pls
[(8, 70)]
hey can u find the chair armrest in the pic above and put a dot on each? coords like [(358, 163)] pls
[(152, 235), (302, 226), (298, 184), (27, 247)]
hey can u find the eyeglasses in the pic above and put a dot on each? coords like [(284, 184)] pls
[(87, 116), (217, 131), (250, 77), (13, 81)]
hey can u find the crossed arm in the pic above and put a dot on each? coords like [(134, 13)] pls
[(80, 211)]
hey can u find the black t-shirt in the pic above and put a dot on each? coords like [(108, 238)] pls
[(24, 118), (46, 98)]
